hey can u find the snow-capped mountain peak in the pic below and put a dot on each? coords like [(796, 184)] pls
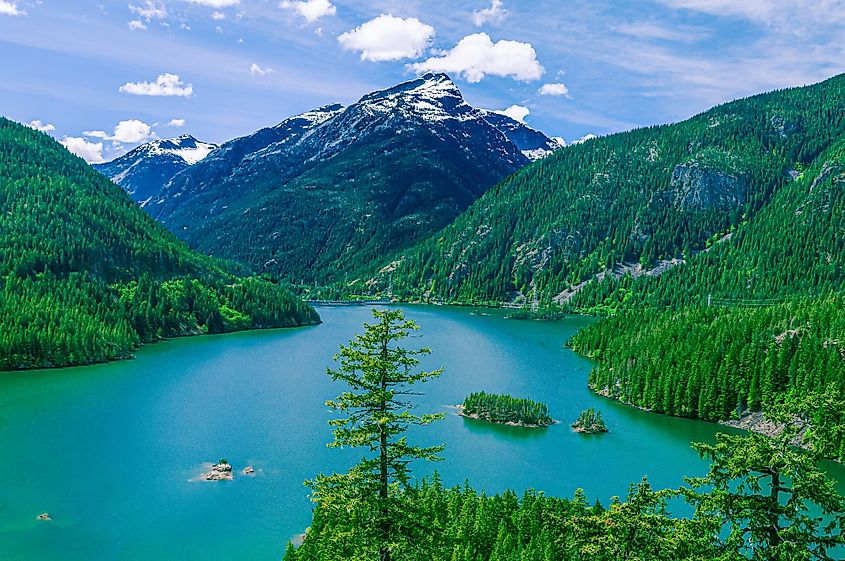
[(186, 147)]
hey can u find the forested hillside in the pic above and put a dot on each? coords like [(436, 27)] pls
[(87, 276), (632, 203), (773, 326)]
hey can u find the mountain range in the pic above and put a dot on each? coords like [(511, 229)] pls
[(320, 196)]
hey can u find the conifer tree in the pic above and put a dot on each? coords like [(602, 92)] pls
[(376, 412)]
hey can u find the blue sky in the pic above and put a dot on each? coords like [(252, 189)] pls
[(111, 73)]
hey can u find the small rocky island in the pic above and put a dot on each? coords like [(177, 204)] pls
[(221, 471), (506, 410), (590, 422)]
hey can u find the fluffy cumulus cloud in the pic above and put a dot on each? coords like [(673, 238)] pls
[(91, 152), (165, 85), (151, 9), (554, 89), (388, 38), (130, 131), (256, 70), (495, 13), (176, 123), (10, 9), (137, 25), (516, 112), (218, 15), (39, 126), (311, 10), (476, 56), (214, 3)]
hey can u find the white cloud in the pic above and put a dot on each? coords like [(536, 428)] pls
[(91, 152), (214, 3), (136, 25), (515, 112), (476, 56), (165, 85), (39, 126), (496, 12), (176, 123), (388, 38), (311, 10), (218, 15), (256, 70), (10, 9), (130, 131), (151, 9), (554, 89)]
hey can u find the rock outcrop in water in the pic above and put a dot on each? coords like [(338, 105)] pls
[(221, 471)]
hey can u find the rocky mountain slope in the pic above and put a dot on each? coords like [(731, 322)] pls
[(324, 194), (142, 171)]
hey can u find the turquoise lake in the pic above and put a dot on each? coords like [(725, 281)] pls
[(110, 451)]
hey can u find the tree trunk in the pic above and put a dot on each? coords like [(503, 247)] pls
[(774, 516), (384, 515)]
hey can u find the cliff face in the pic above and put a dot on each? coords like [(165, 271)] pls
[(698, 186)]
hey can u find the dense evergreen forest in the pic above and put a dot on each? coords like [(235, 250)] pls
[(506, 409), (762, 499), (633, 202), (87, 276), (773, 326)]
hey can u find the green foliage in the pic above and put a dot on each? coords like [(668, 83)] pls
[(772, 500), (377, 413), (714, 363), (619, 202), (87, 276), (506, 409), (590, 421), (458, 524)]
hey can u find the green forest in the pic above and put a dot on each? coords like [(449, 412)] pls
[(629, 202), (87, 276), (762, 499), (497, 408)]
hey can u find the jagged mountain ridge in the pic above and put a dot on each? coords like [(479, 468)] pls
[(142, 171), (323, 194)]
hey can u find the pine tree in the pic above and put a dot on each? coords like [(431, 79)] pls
[(377, 412)]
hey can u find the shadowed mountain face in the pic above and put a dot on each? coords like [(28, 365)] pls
[(323, 194)]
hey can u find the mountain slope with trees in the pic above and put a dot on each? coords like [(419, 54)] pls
[(87, 276), (633, 203), (325, 194)]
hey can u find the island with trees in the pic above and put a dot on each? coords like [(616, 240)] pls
[(505, 409), (590, 422)]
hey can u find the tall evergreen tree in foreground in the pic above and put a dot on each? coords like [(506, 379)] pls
[(772, 499), (376, 413)]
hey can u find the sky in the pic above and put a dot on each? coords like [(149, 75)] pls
[(103, 76)]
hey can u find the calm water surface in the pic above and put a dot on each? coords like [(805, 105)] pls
[(110, 450)]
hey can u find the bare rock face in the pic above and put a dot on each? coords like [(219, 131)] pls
[(698, 186), (43, 517)]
